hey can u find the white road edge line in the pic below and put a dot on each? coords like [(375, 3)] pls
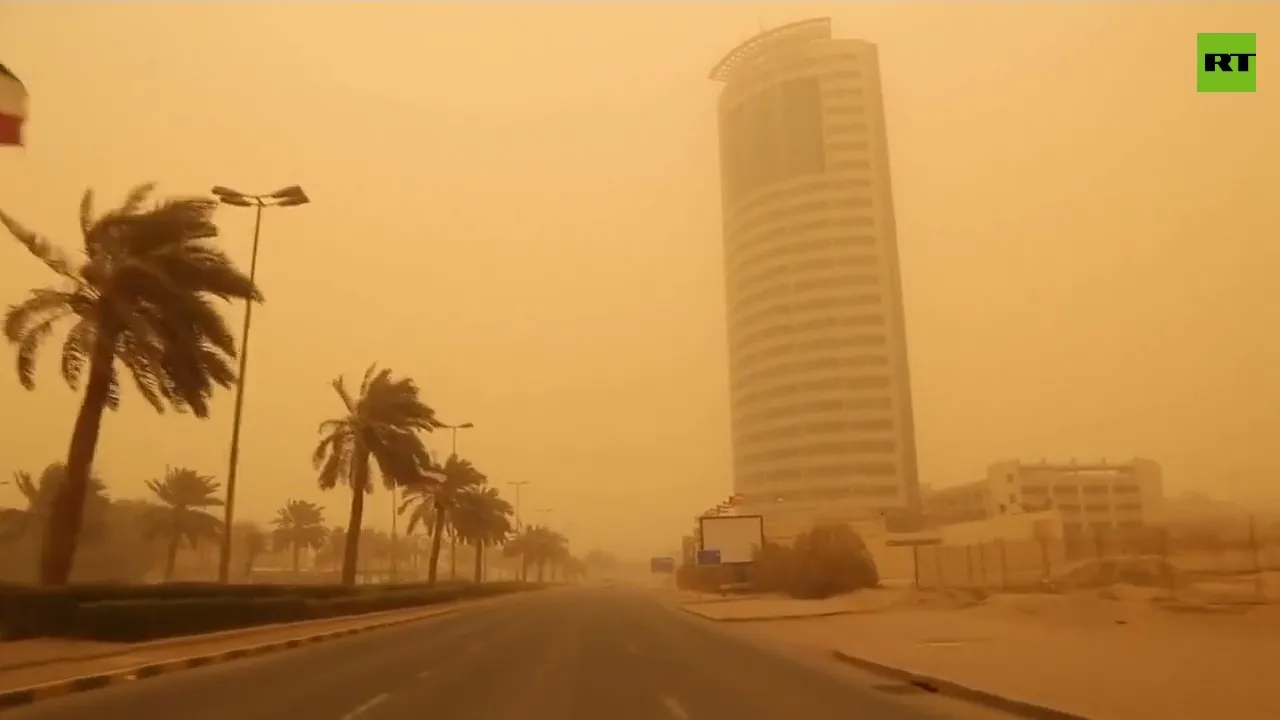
[(366, 707), (673, 706)]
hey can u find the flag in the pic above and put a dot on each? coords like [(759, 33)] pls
[(13, 107)]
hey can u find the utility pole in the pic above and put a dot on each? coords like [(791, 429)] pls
[(517, 484)]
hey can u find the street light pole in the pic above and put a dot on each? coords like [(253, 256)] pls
[(286, 197), (517, 484), (454, 430)]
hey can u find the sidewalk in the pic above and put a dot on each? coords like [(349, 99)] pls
[(25, 663), (773, 607), (1118, 661)]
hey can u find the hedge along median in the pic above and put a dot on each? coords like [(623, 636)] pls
[(136, 613)]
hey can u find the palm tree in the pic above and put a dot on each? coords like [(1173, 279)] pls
[(382, 423), (184, 496), (140, 299), (255, 544), (541, 546), (32, 521), (483, 519), (375, 551), (299, 526), (335, 543), (431, 504)]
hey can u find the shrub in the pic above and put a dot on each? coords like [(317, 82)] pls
[(132, 613), (697, 578), (772, 569), (828, 560), (140, 620)]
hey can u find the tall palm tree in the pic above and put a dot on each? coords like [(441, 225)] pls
[(299, 526), (382, 423), (431, 504), (31, 522), (138, 293), (255, 544), (483, 519), (540, 546), (185, 496), (335, 543), (375, 550)]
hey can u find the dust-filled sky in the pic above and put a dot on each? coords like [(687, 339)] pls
[(518, 205)]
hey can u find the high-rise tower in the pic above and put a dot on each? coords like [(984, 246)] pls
[(819, 383)]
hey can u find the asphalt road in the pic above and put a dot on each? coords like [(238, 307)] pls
[(564, 654)]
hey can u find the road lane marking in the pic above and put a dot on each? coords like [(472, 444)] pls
[(366, 707), (424, 673), (673, 706)]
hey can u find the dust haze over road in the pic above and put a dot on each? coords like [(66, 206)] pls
[(564, 654)]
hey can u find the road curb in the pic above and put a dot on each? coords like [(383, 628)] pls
[(773, 618), (36, 693), (1018, 708)]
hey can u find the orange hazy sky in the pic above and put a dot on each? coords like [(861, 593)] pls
[(518, 205)]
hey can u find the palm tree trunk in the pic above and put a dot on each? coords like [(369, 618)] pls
[(479, 550), (359, 479), (297, 558), (435, 548), (171, 557), (453, 557), (58, 554)]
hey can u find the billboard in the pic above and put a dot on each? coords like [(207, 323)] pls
[(737, 538)]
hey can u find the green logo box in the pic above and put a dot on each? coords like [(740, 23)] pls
[(1227, 62)]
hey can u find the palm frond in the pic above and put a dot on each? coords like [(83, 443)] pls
[(45, 251)]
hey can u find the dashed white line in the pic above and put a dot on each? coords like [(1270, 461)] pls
[(673, 706), (424, 673), (366, 707)]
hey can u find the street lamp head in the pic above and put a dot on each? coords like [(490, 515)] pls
[(228, 196), (466, 426), (290, 196)]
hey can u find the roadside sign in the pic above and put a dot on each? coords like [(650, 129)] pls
[(708, 557), (664, 565)]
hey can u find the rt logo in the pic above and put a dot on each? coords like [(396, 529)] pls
[(1227, 62)]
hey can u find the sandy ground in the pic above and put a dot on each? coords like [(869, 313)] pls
[(1122, 653)]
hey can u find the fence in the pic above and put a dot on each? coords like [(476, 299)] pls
[(1172, 556)]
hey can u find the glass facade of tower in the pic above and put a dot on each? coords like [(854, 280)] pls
[(820, 392)]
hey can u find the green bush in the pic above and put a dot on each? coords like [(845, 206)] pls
[(130, 613), (698, 578), (140, 620), (27, 612), (828, 560)]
